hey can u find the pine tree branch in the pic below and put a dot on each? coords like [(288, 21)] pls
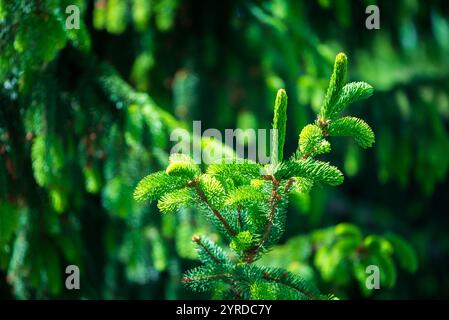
[(198, 241), (239, 217), (283, 281), (194, 183), (226, 276), (279, 125), (274, 200), (288, 186), (208, 277), (324, 126)]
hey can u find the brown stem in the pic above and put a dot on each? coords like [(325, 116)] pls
[(274, 200), (239, 217), (198, 241), (214, 211), (288, 186), (269, 177), (323, 124)]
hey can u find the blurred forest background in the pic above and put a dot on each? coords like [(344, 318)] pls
[(85, 114)]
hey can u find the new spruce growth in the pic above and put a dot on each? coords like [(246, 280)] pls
[(247, 202)]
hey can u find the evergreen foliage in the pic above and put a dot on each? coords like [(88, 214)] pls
[(354, 127), (85, 113), (279, 124), (248, 205)]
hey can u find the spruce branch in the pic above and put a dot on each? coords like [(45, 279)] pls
[(309, 168), (195, 184), (336, 83), (351, 92), (175, 201), (249, 195), (217, 267), (206, 248), (274, 200), (353, 127), (234, 173), (283, 283), (285, 279), (156, 184), (312, 142), (248, 202), (289, 185), (182, 165), (239, 217), (187, 279), (242, 241), (279, 126), (204, 278)]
